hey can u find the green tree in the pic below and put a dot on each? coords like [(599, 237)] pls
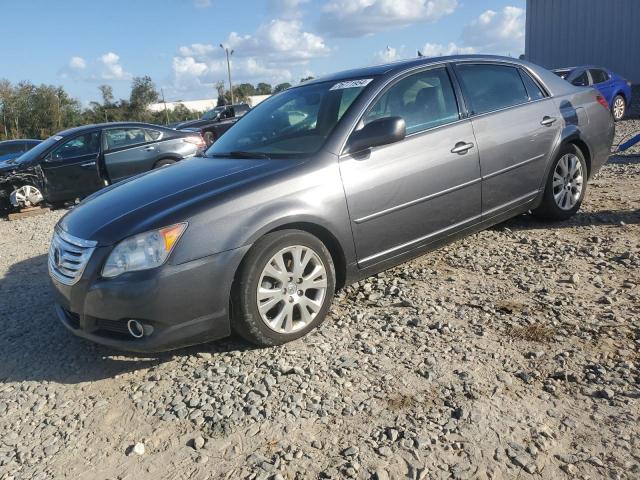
[(281, 87), (143, 94), (306, 79), (263, 89)]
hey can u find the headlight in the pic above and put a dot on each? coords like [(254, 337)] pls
[(144, 251)]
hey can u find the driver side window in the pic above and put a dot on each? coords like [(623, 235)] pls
[(87, 144), (425, 100)]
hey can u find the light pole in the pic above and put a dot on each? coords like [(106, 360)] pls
[(229, 53)]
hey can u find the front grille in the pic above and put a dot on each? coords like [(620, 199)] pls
[(68, 256)]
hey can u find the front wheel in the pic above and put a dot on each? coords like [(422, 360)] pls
[(566, 185), (618, 107), (26, 196), (284, 288)]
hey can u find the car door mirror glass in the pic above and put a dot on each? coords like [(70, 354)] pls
[(382, 131)]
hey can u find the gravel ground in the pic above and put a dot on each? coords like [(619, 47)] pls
[(512, 353)]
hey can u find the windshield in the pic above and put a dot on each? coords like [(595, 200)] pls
[(211, 114), (293, 123), (36, 151)]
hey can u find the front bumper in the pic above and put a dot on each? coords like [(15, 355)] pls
[(182, 304)]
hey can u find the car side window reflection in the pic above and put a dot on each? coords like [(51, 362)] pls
[(124, 137), (87, 144), (424, 100)]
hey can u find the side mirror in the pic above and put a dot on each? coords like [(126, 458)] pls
[(382, 131)]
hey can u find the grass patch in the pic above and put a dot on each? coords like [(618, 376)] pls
[(531, 333)]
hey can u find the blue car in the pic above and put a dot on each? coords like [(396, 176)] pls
[(615, 89), (12, 149)]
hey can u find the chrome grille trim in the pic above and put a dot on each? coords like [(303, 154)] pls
[(68, 256)]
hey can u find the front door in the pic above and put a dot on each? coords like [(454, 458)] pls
[(515, 131), (71, 170), (408, 194)]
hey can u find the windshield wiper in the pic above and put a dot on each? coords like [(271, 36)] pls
[(243, 154)]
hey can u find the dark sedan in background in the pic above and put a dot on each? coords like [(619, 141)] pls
[(12, 149), (215, 122), (77, 162), (615, 89)]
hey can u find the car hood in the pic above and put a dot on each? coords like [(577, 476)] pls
[(193, 124), (11, 164), (161, 197)]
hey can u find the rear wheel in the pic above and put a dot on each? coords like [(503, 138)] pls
[(566, 185), (618, 107), (164, 163), (284, 288)]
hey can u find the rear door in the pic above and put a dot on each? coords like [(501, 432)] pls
[(515, 125), (70, 170), (128, 151), (408, 194)]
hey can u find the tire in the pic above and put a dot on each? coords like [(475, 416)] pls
[(563, 200), (164, 163), (209, 138), (281, 318), (618, 108)]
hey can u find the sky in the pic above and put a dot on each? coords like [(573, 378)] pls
[(83, 44)]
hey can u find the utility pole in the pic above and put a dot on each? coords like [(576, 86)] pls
[(166, 112), (229, 53)]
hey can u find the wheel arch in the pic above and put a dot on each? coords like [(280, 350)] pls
[(324, 234)]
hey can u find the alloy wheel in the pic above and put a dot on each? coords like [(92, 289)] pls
[(26, 196), (567, 181), (291, 289), (618, 108)]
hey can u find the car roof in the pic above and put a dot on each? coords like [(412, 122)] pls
[(401, 65), (97, 126), (20, 140)]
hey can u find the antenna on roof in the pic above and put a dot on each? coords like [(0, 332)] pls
[(420, 54)]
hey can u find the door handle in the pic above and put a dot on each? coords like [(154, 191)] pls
[(149, 149), (461, 148), (88, 164), (546, 121)]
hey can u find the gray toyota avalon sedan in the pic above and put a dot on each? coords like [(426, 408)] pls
[(319, 186)]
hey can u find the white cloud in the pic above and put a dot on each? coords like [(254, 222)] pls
[(112, 70), (287, 8), (271, 54), (353, 18), (437, 49), (77, 63), (389, 54), (202, 3), (497, 32)]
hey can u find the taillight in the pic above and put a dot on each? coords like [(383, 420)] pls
[(602, 101), (197, 140)]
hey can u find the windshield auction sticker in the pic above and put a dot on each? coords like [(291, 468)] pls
[(363, 82)]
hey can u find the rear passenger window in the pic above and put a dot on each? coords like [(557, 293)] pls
[(599, 76), (152, 135), (581, 80), (425, 100), (533, 89), (124, 137), (491, 87)]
